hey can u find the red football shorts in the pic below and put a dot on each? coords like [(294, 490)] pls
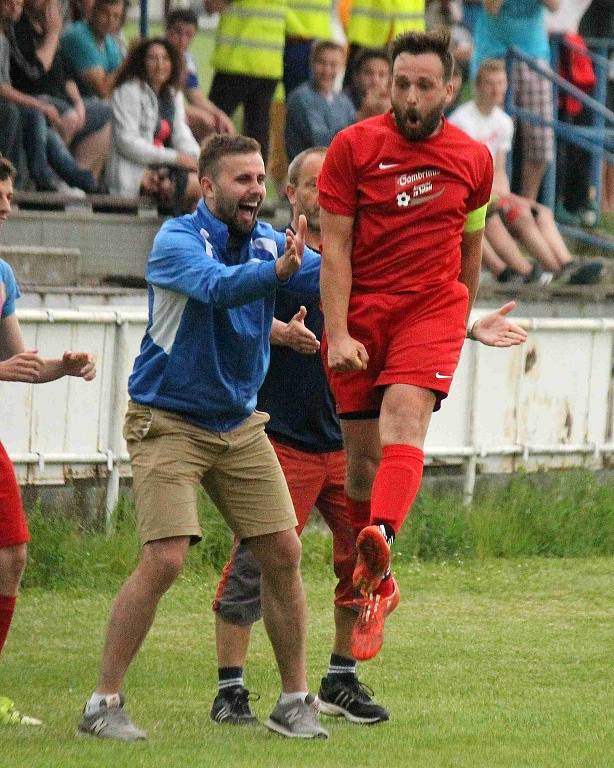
[(411, 338), (13, 524)]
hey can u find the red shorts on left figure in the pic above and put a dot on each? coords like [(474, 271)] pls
[(13, 524), (411, 338)]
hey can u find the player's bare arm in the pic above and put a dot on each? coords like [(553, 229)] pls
[(294, 334), (497, 330), (19, 364), (471, 260), (344, 352)]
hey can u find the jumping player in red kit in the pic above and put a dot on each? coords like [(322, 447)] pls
[(403, 201)]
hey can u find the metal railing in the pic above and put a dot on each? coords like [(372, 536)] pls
[(546, 404), (596, 139)]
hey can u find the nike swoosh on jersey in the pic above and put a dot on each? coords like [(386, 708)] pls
[(442, 376), (385, 166)]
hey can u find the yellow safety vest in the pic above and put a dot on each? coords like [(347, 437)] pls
[(250, 38), (310, 19), (374, 23)]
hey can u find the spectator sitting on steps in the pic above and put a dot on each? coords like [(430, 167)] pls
[(529, 222), (202, 115), (315, 112), (153, 151)]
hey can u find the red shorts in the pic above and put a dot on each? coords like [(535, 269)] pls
[(314, 479), (13, 524), (411, 338), (317, 480)]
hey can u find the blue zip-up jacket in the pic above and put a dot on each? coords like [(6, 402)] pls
[(206, 348)]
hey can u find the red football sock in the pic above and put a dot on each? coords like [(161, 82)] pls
[(7, 607), (396, 484), (359, 513)]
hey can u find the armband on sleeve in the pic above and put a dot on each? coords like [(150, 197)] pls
[(476, 219)]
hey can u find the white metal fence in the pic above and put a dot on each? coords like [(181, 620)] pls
[(546, 404)]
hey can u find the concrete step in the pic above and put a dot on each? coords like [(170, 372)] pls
[(43, 264)]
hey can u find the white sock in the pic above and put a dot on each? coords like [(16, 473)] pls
[(286, 698), (93, 705)]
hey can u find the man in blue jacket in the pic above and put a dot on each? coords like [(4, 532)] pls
[(192, 421)]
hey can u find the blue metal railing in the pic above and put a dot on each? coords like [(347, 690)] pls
[(596, 139)]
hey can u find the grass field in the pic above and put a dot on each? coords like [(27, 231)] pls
[(486, 663)]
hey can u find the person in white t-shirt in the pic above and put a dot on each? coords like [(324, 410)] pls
[(531, 223)]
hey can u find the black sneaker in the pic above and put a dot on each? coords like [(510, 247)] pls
[(350, 698), (587, 274), (231, 707)]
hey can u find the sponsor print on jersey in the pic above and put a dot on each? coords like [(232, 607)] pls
[(417, 187)]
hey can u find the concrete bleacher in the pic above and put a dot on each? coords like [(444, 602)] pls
[(46, 265), (91, 251), (113, 235)]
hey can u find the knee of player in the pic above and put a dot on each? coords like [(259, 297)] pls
[(14, 560), (286, 551), (164, 565), (361, 471)]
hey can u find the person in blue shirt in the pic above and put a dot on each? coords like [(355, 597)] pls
[(91, 53), (192, 421), (315, 111), (520, 23), (17, 363)]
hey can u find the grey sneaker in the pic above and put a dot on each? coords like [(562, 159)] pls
[(297, 720), (111, 722)]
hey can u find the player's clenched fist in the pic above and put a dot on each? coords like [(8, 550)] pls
[(347, 354), (81, 364)]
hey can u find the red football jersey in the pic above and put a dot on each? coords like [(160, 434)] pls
[(409, 201)]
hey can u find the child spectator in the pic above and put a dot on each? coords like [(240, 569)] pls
[(153, 150), (202, 115), (315, 112)]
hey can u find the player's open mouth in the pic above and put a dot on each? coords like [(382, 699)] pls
[(249, 210)]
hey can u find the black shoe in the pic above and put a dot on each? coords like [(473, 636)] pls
[(346, 696), (507, 276), (587, 274), (231, 707)]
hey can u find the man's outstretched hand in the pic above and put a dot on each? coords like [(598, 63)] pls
[(292, 259), (497, 330)]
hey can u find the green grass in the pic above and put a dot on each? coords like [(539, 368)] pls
[(566, 514), (486, 663)]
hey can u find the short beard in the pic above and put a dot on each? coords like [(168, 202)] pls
[(428, 125)]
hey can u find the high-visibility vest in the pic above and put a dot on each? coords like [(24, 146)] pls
[(373, 23), (250, 38), (310, 19)]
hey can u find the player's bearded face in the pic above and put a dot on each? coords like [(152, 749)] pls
[(419, 94), (416, 124)]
